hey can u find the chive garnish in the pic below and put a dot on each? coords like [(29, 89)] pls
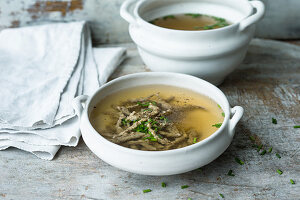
[(147, 190), (274, 121), (270, 150), (217, 125), (292, 181), (223, 114), (230, 173), (163, 184), (194, 15), (238, 161), (259, 147), (296, 126), (279, 171), (169, 17), (195, 140), (189, 198), (278, 156), (263, 152), (184, 186), (221, 195), (252, 138), (219, 106)]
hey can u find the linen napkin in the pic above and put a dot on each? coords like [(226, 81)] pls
[(42, 69)]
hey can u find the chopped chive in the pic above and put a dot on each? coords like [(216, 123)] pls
[(274, 121), (169, 17), (292, 181), (252, 138), (263, 152), (217, 125), (221, 195), (230, 173), (278, 156), (259, 147), (184, 186), (194, 15), (153, 139), (147, 190), (195, 140), (223, 114), (279, 171), (238, 161), (163, 184), (270, 150), (296, 126), (189, 198), (219, 106)]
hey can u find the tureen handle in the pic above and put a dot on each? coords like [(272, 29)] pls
[(125, 11), (77, 104), (260, 10), (237, 113)]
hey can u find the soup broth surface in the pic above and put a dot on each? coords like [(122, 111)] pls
[(184, 118), (190, 21)]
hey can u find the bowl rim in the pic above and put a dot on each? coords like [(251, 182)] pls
[(158, 28), (98, 137)]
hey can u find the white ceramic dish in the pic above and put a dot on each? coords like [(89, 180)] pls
[(158, 162), (209, 54)]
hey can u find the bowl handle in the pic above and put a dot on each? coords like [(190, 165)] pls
[(125, 11), (237, 113), (260, 10), (77, 104)]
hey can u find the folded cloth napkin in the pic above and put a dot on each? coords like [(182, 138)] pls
[(42, 69)]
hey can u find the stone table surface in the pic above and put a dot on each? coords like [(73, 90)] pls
[(267, 85)]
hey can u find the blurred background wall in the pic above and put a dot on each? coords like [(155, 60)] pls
[(282, 19)]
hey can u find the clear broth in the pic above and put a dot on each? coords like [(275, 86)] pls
[(190, 21)]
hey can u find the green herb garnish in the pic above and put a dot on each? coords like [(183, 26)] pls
[(219, 106), (292, 181), (148, 109), (169, 17), (230, 173), (296, 126), (263, 152), (124, 122), (238, 161), (163, 184), (277, 155), (221, 195), (145, 104), (163, 118), (195, 140), (219, 19), (252, 138), (223, 114), (147, 190), (259, 147), (208, 27), (274, 121), (189, 199), (279, 171), (217, 125), (270, 150), (194, 15), (184, 186)]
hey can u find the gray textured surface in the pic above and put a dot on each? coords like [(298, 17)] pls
[(267, 85), (280, 22)]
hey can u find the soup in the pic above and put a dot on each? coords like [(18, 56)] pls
[(190, 21), (156, 117)]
